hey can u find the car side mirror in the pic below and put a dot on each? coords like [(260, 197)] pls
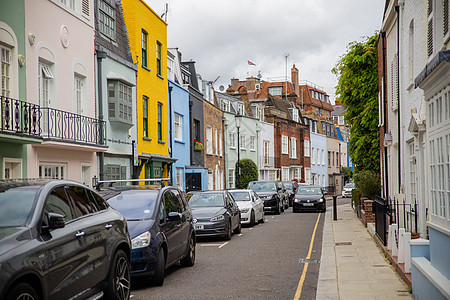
[(56, 221), (174, 216)]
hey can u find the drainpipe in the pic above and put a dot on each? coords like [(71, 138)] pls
[(100, 55), (397, 9), (170, 131), (383, 39)]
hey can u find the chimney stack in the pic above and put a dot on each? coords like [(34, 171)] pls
[(295, 80)]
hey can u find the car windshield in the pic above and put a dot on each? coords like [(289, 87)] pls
[(309, 191), (262, 186), (288, 185), (135, 205), (206, 200), (16, 205), (349, 186), (241, 196)]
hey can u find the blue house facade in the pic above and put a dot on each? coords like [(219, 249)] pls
[(179, 130), (318, 159)]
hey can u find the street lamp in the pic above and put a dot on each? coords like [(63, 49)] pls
[(238, 120)]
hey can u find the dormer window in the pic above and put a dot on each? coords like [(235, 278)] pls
[(294, 114), (276, 90), (240, 108), (257, 87), (225, 105)]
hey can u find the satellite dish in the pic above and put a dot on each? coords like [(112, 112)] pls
[(221, 88)]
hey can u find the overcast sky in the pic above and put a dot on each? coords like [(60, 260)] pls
[(221, 35)]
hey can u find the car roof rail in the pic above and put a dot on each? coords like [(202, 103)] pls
[(111, 182)]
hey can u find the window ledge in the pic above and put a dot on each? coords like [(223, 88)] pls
[(160, 76), (146, 68), (179, 142), (161, 142), (146, 138)]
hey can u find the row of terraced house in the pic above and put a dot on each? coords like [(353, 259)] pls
[(90, 91)]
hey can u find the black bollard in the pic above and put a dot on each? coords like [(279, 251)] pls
[(334, 208)]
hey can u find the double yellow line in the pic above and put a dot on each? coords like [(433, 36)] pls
[(305, 268)]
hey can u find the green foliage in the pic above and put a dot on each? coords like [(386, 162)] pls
[(249, 172), (356, 197), (368, 183), (357, 89), (348, 173)]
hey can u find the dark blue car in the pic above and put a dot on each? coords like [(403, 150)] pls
[(161, 228)]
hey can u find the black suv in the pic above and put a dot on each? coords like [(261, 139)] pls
[(161, 226), (271, 192), (61, 240)]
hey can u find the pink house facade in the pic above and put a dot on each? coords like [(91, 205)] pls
[(60, 79)]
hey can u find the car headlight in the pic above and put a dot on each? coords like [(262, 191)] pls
[(245, 210), (320, 200), (217, 218), (141, 241), (297, 200)]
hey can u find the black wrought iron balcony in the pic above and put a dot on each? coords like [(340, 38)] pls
[(69, 127), (19, 118)]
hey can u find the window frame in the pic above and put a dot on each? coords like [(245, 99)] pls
[(106, 11), (178, 127), (160, 122), (158, 58), (144, 47)]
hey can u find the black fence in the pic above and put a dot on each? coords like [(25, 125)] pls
[(381, 210), (66, 126), (19, 117)]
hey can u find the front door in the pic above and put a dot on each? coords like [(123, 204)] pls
[(193, 182)]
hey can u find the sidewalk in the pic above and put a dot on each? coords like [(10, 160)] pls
[(352, 266)]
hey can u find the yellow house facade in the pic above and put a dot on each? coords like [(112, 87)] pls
[(147, 34)]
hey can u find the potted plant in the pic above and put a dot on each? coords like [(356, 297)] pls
[(198, 146)]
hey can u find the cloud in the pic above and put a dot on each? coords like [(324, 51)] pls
[(222, 35)]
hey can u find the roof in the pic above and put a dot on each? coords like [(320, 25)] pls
[(442, 56), (280, 104)]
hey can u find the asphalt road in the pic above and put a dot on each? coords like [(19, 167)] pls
[(263, 262)]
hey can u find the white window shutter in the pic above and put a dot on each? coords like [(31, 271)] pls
[(85, 8)]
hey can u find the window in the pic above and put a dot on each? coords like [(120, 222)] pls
[(170, 73), (240, 108), (242, 140), (275, 90), (158, 58), (313, 156), (52, 170), (171, 203), (337, 159), (412, 172), (115, 172), (225, 105), (78, 94), (209, 146), (80, 199), (307, 152), (394, 82), (57, 202), (6, 71), (216, 144), (252, 142), (160, 129), (145, 116), (196, 129), (120, 102), (178, 127), (106, 19), (307, 175), (323, 157), (332, 158), (179, 177), (220, 144), (266, 153), (293, 147), (318, 156), (231, 178), (144, 48), (329, 158), (232, 140), (284, 173), (284, 144)]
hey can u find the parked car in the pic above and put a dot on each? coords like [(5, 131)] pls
[(215, 213), (271, 192), (347, 190), (285, 194), (61, 240), (161, 227), (291, 188), (250, 205), (309, 198)]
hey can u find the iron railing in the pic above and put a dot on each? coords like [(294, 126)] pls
[(381, 210), (69, 127), (404, 214), (19, 117)]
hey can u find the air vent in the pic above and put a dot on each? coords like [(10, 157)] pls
[(85, 7)]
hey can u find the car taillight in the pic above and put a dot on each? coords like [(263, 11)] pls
[(125, 221)]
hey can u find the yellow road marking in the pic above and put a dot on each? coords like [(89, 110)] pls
[(305, 268)]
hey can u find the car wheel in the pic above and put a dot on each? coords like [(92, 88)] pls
[(228, 231), (286, 206), (238, 229), (119, 278), (252, 218), (158, 278), (262, 218), (22, 291), (189, 259)]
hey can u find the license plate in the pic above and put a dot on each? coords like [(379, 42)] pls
[(308, 204), (199, 227)]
